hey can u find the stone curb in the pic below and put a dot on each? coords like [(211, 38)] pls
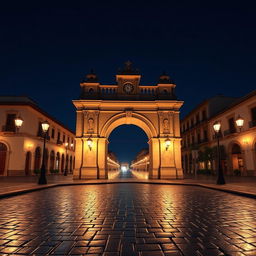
[(41, 187)]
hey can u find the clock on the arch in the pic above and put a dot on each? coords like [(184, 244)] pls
[(128, 87)]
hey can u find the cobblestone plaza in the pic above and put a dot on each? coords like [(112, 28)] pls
[(128, 219)]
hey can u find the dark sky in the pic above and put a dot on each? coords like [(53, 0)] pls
[(208, 48)]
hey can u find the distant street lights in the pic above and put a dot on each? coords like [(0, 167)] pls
[(18, 122), (66, 165), (42, 179), (220, 178)]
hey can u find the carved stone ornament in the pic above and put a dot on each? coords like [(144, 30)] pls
[(90, 124), (166, 125)]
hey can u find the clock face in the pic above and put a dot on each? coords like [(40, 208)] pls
[(128, 87)]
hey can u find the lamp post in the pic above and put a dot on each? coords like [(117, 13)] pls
[(66, 167), (239, 122), (42, 179), (220, 178), (18, 122)]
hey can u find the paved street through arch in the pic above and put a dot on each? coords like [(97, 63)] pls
[(128, 219)]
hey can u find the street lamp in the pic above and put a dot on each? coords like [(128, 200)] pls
[(89, 143), (18, 122), (167, 143), (42, 179), (66, 171), (220, 179), (239, 122)]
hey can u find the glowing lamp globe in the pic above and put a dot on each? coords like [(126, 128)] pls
[(45, 126), (216, 126), (18, 122), (239, 122)]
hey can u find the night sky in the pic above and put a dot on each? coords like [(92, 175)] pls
[(208, 48)]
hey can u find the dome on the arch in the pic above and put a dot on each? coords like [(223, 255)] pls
[(90, 77), (165, 79)]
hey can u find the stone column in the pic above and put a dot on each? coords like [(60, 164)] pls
[(102, 158), (154, 158)]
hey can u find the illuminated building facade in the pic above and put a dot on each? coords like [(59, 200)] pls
[(21, 149), (141, 161), (238, 146), (102, 108)]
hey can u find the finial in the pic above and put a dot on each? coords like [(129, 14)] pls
[(128, 69), (128, 65)]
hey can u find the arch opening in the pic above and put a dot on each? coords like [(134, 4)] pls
[(237, 158), (3, 158), (128, 152)]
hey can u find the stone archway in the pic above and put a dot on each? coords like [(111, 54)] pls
[(129, 119), (237, 160), (99, 113), (3, 158)]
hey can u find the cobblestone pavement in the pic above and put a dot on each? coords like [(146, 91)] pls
[(128, 219)]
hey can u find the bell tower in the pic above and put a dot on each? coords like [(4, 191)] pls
[(128, 80)]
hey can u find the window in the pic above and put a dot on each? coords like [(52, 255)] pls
[(231, 124), (197, 118), (10, 123), (205, 135), (58, 137), (192, 122), (64, 138), (253, 114), (53, 133), (198, 138), (204, 115), (40, 130)]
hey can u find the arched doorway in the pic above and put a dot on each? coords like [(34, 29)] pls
[(186, 163), (128, 153), (237, 158), (62, 163), (52, 158), (190, 163), (46, 158), (3, 158), (66, 163), (37, 164), (58, 161), (28, 163), (70, 165)]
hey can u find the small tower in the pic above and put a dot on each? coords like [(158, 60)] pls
[(166, 87), (89, 86), (128, 80)]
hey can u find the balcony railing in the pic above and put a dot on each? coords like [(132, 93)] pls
[(203, 141), (229, 131), (9, 128), (252, 123), (59, 142)]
